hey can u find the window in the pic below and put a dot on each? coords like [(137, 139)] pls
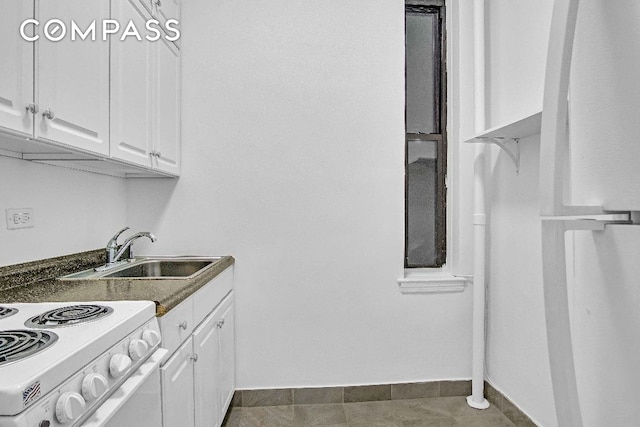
[(425, 127)]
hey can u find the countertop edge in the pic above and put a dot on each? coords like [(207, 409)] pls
[(165, 293)]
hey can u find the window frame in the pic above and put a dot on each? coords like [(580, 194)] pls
[(440, 111)]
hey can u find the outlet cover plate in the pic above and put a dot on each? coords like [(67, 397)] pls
[(19, 218)]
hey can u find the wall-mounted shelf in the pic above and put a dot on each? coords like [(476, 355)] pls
[(508, 136)]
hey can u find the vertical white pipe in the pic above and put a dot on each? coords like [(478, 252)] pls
[(477, 400)]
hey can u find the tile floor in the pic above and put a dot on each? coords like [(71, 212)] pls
[(437, 412)]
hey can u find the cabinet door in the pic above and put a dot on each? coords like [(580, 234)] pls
[(131, 88), (72, 78), (164, 10), (227, 378), (177, 388), (167, 107), (149, 5), (206, 372), (16, 72)]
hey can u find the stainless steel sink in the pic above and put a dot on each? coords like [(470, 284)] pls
[(161, 268), (150, 268)]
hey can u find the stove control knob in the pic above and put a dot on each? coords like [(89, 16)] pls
[(93, 386), (119, 364), (151, 337), (138, 349), (69, 407)]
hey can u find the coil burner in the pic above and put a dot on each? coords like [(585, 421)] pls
[(6, 312), (68, 316), (22, 343)]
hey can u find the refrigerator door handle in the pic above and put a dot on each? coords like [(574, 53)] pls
[(553, 142), (555, 113)]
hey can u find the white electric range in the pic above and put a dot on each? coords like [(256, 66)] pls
[(73, 364)]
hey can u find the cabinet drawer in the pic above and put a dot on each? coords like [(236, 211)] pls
[(210, 295), (176, 325)]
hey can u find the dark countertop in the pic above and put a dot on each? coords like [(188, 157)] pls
[(166, 293)]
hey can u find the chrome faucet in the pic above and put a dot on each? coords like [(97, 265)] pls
[(113, 254), (129, 244), (112, 246)]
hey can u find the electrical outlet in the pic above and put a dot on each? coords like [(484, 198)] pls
[(19, 218)]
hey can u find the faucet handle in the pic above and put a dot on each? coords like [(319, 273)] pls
[(114, 240)]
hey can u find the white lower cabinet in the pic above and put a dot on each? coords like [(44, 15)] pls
[(177, 388), (206, 348), (214, 365), (198, 380), (227, 364)]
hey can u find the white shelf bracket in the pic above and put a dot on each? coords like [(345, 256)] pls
[(509, 145)]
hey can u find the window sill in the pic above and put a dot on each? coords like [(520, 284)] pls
[(438, 282)]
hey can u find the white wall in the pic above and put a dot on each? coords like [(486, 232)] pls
[(517, 37), (517, 358), (293, 162), (74, 211)]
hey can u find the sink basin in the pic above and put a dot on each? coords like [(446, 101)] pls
[(150, 268), (161, 268)]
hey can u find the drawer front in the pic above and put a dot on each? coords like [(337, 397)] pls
[(210, 295), (177, 325)]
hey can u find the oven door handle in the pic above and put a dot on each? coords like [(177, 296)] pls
[(103, 414)]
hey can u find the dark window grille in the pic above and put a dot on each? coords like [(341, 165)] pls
[(425, 127)]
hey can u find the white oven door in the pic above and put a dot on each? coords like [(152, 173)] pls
[(137, 403)]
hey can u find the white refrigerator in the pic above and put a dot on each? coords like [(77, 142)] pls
[(590, 209)]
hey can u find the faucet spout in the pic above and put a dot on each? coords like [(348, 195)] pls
[(129, 244)]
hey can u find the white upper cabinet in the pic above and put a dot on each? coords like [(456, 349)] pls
[(16, 72), (72, 79), (163, 10), (167, 9), (80, 98), (55, 91), (167, 103), (145, 96), (131, 90)]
